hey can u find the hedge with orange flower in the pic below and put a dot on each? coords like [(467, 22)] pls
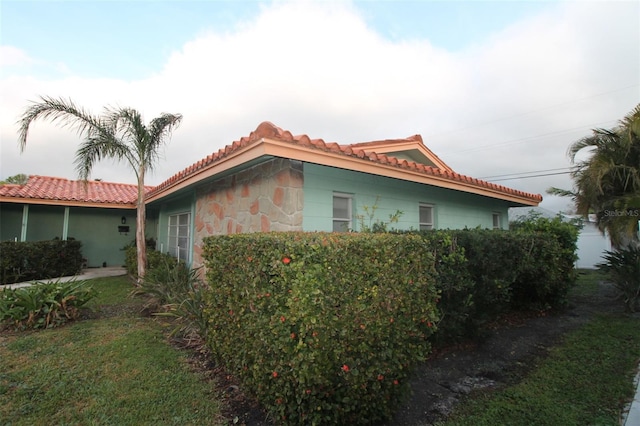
[(324, 328)]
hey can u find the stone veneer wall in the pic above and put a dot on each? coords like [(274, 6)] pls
[(267, 197)]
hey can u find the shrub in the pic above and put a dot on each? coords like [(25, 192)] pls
[(175, 290), (155, 259), (324, 328), (38, 260), (43, 305), (548, 267), (623, 268), (455, 287)]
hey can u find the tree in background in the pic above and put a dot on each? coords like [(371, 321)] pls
[(19, 179), (607, 183), (120, 134)]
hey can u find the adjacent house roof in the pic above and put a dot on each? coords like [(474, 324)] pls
[(59, 191), (406, 159)]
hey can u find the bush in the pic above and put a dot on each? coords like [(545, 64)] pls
[(43, 305), (155, 259), (175, 290), (324, 328), (623, 268), (38, 260), (455, 287), (548, 267)]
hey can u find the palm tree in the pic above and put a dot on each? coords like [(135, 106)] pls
[(120, 134), (608, 182)]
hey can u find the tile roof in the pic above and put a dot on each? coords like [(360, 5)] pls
[(67, 191), (358, 151), (106, 193)]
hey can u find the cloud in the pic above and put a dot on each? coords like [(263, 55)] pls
[(511, 103)]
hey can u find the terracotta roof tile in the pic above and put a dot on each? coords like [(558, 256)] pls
[(270, 131), (59, 189)]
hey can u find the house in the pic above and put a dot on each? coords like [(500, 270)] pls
[(270, 180), (591, 244)]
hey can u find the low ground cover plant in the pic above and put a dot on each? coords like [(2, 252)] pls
[(322, 328), (43, 305), (173, 289)]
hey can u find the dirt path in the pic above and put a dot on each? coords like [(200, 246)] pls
[(506, 354)]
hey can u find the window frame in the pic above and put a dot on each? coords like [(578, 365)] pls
[(179, 246), (498, 216), (427, 226), (346, 221)]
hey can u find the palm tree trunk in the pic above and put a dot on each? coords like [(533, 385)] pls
[(141, 244)]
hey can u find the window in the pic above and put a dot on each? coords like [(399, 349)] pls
[(179, 235), (342, 212), (496, 221), (426, 217)]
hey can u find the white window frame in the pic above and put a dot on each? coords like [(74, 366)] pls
[(342, 224), (496, 218), (179, 236), (426, 226)]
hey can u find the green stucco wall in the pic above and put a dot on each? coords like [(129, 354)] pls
[(96, 228), (10, 221), (452, 209)]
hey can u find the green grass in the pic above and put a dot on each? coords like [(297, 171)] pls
[(584, 381), (119, 370)]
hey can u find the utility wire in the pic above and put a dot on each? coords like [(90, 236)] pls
[(526, 173), (533, 176)]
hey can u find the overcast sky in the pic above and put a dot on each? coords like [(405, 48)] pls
[(495, 88)]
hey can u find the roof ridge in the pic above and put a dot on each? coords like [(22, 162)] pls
[(268, 130)]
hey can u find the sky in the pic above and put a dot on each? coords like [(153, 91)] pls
[(497, 89)]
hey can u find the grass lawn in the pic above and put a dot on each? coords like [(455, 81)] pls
[(584, 381), (120, 369), (112, 370)]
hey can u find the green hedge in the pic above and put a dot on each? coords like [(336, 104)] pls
[(323, 328), (482, 274), (37, 260)]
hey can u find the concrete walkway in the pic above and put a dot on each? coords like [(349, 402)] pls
[(86, 274), (633, 416)]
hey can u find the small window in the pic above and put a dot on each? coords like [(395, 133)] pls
[(342, 208), (179, 236), (426, 217), (496, 221)]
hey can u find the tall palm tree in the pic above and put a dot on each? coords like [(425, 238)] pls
[(608, 181), (120, 134)]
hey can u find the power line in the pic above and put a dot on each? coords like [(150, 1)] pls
[(533, 176), (525, 139), (526, 173)]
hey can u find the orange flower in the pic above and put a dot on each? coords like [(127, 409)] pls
[(380, 377), (293, 335), (282, 319), (345, 368), (286, 260), (274, 374)]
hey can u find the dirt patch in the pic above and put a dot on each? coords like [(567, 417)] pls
[(504, 354)]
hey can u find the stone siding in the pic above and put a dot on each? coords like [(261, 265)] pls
[(266, 197)]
